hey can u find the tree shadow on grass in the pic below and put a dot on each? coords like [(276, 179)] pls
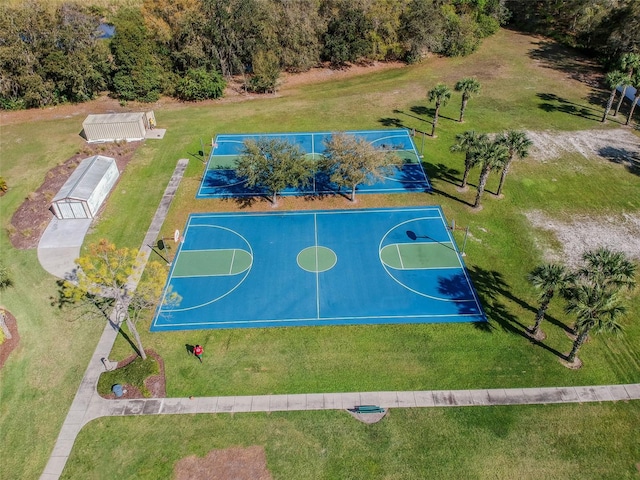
[(392, 122), (429, 112), (630, 159), (554, 103), (490, 287)]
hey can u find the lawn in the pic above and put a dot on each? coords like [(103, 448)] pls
[(524, 86)]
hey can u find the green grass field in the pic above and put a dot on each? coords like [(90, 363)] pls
[(579, 441)]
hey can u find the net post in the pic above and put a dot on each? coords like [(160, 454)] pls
[(464, 243)]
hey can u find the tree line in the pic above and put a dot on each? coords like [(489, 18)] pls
[(188, 48)]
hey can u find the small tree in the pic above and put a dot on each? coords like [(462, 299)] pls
[(468, 87), (351, 161), (440, 94), (467, 142), (518, 144), (630, 63), (199, 84), (548, 279), (266, 72), (274, 165), (491, 156), (636, 83), (104, 282)]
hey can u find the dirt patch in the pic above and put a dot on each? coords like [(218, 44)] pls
[(156, 384), (235, 463), (10, 344), (620, 233), (32, 217)]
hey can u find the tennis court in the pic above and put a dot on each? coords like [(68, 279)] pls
[(220, 179), (320, 267)]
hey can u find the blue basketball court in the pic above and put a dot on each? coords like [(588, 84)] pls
[(220, 179), (338, 267)]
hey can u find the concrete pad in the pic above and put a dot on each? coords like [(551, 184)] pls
[(297, 402), (64, 233), (542, 395), (586, 394), (462, 397), (444, 398), (369, 398), (226, 404), (424, 398), (206, 404), (315, 401), (480, 397), (633, 390), (602, 393), (242, 404), (388, 399), (133, 407), (332, 401), (406, 400), (278, 403), (497, 397), (568, 394), (514, 396), (618, 392), (155, 134), (350, 400), (260, 403), (152, 407)]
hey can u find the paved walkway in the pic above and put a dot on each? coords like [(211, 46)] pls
[(88, 405)]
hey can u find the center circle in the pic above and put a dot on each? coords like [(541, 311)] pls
[(317, 259)]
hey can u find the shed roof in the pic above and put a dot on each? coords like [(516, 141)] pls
[(85, 178), (114, 118)]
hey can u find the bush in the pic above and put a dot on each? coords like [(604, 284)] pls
[(133, 374), (3, 185), (199, 84), (5, 278)]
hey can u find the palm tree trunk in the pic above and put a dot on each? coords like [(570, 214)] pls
[(353, 193), (633, 106), (503, 176), (435, 121), (540, 315), (274, 199), (481, 184), (624, 92), (465, 176), (582, 336), (609, 103), (463, 107)]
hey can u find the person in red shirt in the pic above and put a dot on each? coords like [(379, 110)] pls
[(197, 351)]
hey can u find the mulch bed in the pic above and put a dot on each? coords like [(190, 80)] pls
[(156, 384), (10, 344), (32, 217)]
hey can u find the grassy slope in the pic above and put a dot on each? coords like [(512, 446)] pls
[(37, 388)]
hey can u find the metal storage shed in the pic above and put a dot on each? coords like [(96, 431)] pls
[(112, 127), (86, 189)]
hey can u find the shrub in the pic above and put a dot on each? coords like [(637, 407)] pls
[(199, 84), (5, 278)]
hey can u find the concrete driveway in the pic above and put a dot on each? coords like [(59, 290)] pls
[(60, 244)]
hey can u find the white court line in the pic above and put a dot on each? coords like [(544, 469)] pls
[(232, 259), (315, 226)]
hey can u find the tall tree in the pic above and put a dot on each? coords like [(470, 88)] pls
[(351, 161), (614, 80), (468, 86), (273, 164), (440, 94), (467, 142), (629, 62), (347, 37), (491, 156), (596, 309), (518, 144), (548, 278), (104, 281), (608, 269)]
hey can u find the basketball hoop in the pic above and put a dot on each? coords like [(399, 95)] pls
[(176, 236)]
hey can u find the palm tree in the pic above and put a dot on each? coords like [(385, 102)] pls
[(441, 95), (596, 309), (549, 279), (636, 83), (468, 86), (518, 144), (630, 63), (491, 156), (614, 80), (609, 270), (467, 142)]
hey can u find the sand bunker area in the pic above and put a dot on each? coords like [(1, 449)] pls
[(237, 463), (619, 232)]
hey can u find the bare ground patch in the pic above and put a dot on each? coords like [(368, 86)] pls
[(236, 463), (619, 232)]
